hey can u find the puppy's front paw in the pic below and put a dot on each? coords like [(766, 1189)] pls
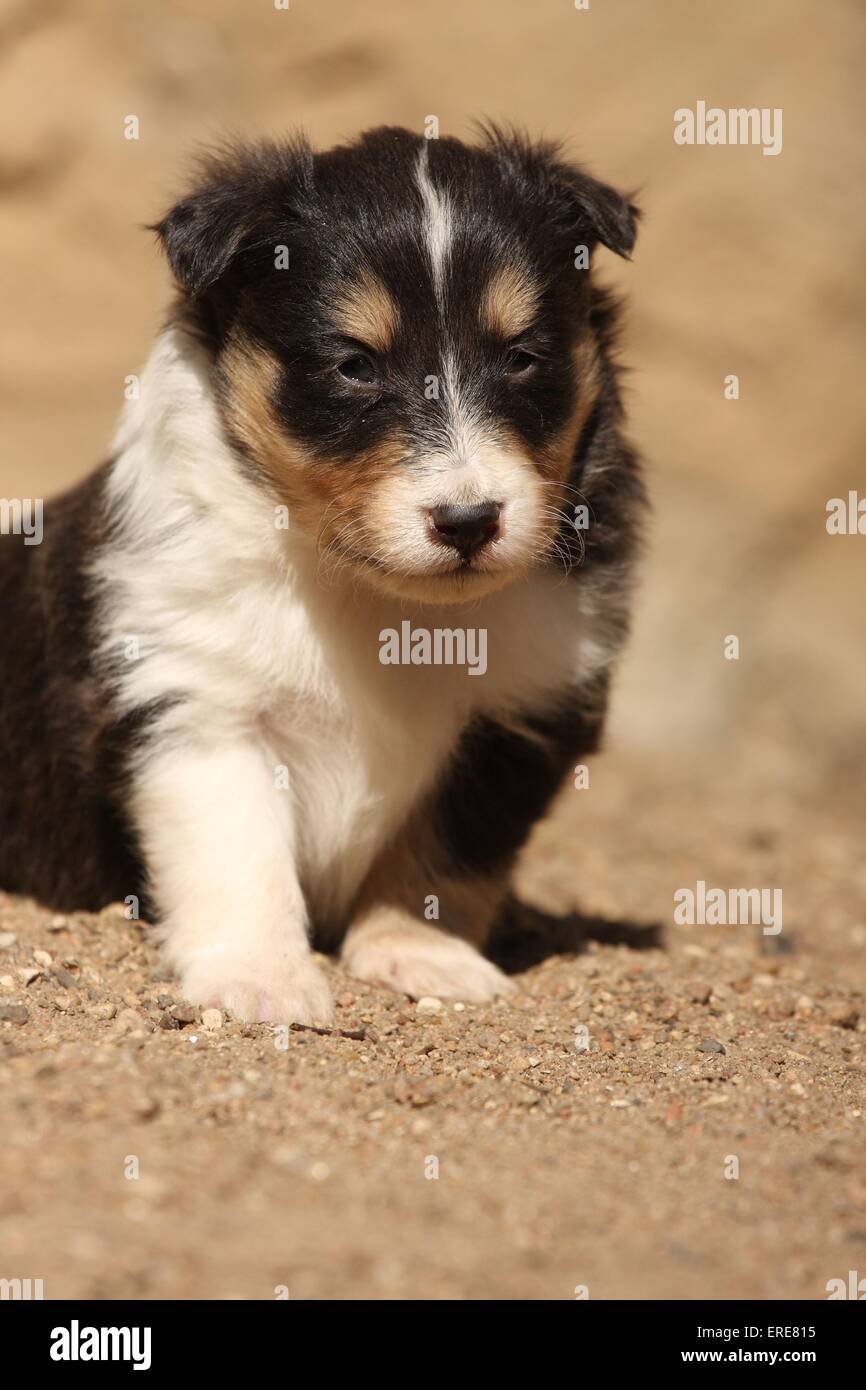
[(419, 960), (266, 993)]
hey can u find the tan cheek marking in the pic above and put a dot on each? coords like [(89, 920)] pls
[(251, 377), (509, 302), (556, 458), (367, 312), (327, 500), (354, 491)]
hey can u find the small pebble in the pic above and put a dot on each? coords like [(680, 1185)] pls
[(428, 1005), (711, 1045), (13, 1013), (843, 1016), (184, 1013), (103, 1012), (212, 1020), (43, 958), (7, 938)]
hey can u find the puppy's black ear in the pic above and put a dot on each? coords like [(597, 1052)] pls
[(578, 205), (602, 214), (202, 235), (244, 194)]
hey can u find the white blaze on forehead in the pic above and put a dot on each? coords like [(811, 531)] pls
[(437, 217), (463, 422)]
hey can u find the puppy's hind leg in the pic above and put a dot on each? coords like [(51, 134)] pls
[(217, 834)]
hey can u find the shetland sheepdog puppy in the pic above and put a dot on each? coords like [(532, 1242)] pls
[(241, 679)]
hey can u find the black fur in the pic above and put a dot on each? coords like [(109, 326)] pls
[(63, 754), (501, 782)]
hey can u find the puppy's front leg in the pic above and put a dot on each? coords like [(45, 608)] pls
[(218, 836)]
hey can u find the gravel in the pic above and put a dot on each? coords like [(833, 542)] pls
[(577, 1133)]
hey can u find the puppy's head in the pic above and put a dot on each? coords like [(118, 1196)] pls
[(403, 343)]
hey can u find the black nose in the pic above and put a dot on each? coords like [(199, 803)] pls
[(466, 527)]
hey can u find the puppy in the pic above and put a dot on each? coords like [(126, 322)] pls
[(317, 646)]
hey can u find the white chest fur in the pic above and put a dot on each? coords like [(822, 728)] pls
[(363, 740)]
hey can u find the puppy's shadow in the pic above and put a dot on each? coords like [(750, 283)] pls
[(525, 936)]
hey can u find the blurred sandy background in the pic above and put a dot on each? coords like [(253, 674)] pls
[(735, 771)]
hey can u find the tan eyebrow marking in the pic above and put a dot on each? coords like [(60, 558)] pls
[(367, 312), (509, 302)]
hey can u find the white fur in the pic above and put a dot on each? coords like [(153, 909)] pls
[(486, 471), (419, 960), (276, 665), (473, 464), (437, 216)]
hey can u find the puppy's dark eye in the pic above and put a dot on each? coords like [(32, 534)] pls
[(517, 361), (360, 369)]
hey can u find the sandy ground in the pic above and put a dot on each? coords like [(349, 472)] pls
[(466, 1153), (305, 1161)]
